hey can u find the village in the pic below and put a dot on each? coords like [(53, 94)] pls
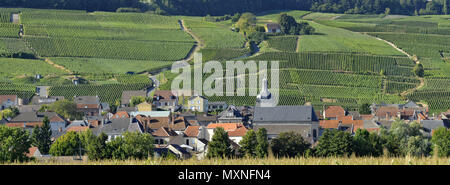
[(186, 129)]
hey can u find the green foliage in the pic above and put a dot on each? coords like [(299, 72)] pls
[(107, 92), (219, 146), (41, 136), (8, 113), (14, 144), (96, 147), (365, 109), (136, 100), (289, 144), (334, 143), (246, 23), (69, 144), (441, 141), (137, 145), (288, 44), (418, 70), (367, 143), (405, 139), (67, 109), (263, 144), (290, 26), (249, 143)]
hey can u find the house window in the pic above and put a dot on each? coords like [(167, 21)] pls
[(187, 141)]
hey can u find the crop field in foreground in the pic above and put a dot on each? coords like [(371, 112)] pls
[(267, 161)]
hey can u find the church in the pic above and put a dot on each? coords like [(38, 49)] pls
[(278, 119)]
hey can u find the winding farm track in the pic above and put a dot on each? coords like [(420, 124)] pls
[(47, 60), (422, 81)]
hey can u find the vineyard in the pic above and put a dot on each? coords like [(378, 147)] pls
[(215, 35), (288, 44), (107, 93), (335, 66), (115, 66)]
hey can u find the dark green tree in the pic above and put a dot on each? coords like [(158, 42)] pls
[(289, 144), (219, 145), (367, 143), (441, 142), (365, 108), (249, 143), (418, 70), (335, 143), (263, 144), (14, 144), (138, 145), (42, 135)]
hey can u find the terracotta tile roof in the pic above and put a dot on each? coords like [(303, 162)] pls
[(225, 126), (164, 132), (334, 111), (239, 132), (390, 111), (366, 116), (78, 128), (326, 124), (163, 95), (233, 129), (193, 122), (156, 123), (120, 114), (407, 112), (344, 118), (4, 98), (192, 131), (88, 106)]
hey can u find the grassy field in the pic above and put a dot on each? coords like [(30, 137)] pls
[(266, 161), (330, 39)]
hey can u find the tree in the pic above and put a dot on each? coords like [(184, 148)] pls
[(418, 70), (441, 142), (445, 7), (263, 143), (219, 145), (418, 146), (367, 143), (364, 109), (289, 144), (67, 109), (249, 144), (136, 100), (8, 113), (335, 143), (138, 145), (96, 147), (41, 136), (246, 23), (14, 144), (405, 139), (68, 144)]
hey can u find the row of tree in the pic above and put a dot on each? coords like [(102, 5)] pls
[(215, 7), (401, 139)]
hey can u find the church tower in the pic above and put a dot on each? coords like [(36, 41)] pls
[(264, 98)]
